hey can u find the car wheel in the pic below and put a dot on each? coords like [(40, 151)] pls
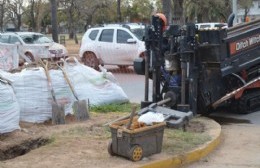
[(90, 59), (30, 56)]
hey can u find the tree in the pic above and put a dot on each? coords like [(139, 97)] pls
[(54, 20), (119, 17), (167, 10), (69, 7), (178, 12), (138, 11), (89, 10), (207, 10), (34, 14), (15, 10), (245, 5), (2, 13)]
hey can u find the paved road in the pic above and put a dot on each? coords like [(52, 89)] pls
[(241, 133), (132, 84)]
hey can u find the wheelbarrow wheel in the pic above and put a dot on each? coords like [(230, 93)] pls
[(109, 149), (136, 153)]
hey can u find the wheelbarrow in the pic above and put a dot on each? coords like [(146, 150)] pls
[(136, 142)]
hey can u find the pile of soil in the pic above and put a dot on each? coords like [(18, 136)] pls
[(75, 144)]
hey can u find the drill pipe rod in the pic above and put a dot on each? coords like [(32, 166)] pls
[(126, 117)]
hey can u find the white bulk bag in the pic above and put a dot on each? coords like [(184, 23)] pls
[(9, 109), (92, 85), (34, 96)]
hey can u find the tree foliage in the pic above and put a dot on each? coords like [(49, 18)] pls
[(245, 5), (78, 15), (207, 10), (14, 12)]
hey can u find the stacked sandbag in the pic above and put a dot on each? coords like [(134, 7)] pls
[(93, 85), (9, 109), (34, 96)]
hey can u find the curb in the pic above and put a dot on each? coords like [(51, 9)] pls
[(189, 157)]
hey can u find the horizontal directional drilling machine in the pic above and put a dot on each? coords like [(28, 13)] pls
[(197, 71)]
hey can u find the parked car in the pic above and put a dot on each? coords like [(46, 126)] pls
[(137, 29), (110, 45), (34, 45), (211, 25)]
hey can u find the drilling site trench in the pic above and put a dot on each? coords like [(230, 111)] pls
[(22, 148)]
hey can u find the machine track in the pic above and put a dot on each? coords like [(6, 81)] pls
[(250, 102)]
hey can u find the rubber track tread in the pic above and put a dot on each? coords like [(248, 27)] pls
[(245, 106)]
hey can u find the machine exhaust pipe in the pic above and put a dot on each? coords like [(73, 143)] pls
[(231, 19)]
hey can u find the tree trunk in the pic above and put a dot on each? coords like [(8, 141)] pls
[(178, 14), (33, 24), (167, 10), (19, 22), (76, 39), (54, 21), (246, 13), (119, 17), (88, 22), (2, 17)]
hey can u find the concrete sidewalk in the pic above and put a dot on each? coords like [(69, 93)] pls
[(239, 148)]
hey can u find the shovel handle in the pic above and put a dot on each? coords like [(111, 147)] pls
[(131, 117), (45, 67), (68, 81)]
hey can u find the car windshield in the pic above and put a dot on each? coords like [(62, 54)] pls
[(35, 39), (139, 33)]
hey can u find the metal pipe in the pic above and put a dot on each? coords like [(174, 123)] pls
[(146, 91), (234, 9), (183, 83)]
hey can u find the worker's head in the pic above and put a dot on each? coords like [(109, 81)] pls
[(163, 18)]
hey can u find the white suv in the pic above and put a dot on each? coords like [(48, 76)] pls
[(34, 45), (211, 25), (110, 45)]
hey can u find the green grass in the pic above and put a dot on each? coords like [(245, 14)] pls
[(126, 107), (176, 141)]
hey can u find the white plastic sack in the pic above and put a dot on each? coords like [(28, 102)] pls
[(150, 117), (108, 75), (93, 85), (9, 109), (34, 96), (9, 57)]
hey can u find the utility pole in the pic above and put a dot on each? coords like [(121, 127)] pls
[(54, 23), (234, 10)]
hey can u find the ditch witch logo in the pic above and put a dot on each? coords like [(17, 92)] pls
[(244, 44)]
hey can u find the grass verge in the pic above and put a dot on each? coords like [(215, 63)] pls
[(126, 107), (178, 141)]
